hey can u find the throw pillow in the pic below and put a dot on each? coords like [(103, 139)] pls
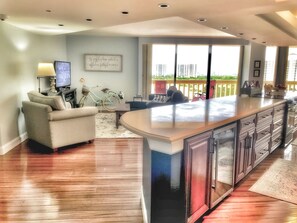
[(56, 102)]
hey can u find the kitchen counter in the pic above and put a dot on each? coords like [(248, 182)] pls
[(172, 124), (178, 138)]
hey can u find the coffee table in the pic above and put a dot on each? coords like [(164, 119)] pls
[(120, 110)]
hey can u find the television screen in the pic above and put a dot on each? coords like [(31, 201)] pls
[(63, 73)]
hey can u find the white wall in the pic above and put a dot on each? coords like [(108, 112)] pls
[(253, 52), (125, 81), (20, 53)]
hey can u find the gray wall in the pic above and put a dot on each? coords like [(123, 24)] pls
[(125, 81), (20, 53)]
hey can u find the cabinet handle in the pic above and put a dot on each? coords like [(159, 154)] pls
[(214, 181), (248, 142)]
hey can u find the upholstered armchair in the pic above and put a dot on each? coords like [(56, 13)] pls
[(50, 123)]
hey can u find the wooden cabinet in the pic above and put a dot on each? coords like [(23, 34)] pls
[(277, 128), (209, 167), (197, 175), (245, 147), (258, 136), (244, 157)]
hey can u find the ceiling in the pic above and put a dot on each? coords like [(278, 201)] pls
[(268, 22)]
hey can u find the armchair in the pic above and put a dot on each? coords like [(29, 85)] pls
[(50, 123)]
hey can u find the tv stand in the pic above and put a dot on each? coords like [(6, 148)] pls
[(68, 95)]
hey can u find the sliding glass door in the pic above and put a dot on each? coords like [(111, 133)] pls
[(195, 69), (191, 69), (163, 67), (225, 62)]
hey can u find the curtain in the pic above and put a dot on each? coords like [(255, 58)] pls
[(146, 70)]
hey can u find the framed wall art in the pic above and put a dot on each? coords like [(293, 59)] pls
[(103, 62), (257, 63), (256, 73)]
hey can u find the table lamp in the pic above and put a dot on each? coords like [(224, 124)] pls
[(47, 70)]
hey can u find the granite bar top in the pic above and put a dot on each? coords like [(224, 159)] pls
[(177, 122)]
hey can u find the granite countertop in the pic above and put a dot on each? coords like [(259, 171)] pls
[(175, 122)]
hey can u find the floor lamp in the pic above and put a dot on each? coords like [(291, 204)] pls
[(47, 70)]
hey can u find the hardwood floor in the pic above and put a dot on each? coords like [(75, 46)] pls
[(100, 182), (97, 182)]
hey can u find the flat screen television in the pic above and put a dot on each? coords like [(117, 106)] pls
[(63, 74)]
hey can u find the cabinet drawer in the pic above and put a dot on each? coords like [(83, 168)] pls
[(262, 133), (279, 110), (261, 150), (276, 141), (265, 116), (278, 126), (247, 123)]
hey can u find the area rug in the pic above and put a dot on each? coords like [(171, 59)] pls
[(105, 127), (279, 181)]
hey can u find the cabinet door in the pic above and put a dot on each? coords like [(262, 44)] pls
[(244, 157), (197, 175), (240, 157)]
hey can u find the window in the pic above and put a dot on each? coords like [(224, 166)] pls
[(292, 69), (186, 67), (269, 66)]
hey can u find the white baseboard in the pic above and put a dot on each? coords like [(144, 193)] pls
[(13, 143), (143, 207)]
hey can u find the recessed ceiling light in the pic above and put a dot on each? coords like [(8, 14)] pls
[(241, 34), (125, 12), (48, 10), (89, 20), (264, 42), (201, 19), (60, 24), (163, 5), (224, 28), (254, 38)]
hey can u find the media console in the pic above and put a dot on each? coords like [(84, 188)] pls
[(68, 95)]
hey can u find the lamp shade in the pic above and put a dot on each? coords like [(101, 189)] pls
[(46, 70)]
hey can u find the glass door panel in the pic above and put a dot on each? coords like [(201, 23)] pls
[(163, 65), (191, 69), (224, 70)]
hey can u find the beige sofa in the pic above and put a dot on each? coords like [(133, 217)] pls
[(50, 123)]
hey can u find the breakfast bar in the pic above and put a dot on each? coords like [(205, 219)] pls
[(195, 153)]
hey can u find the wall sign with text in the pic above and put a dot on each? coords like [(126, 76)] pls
[(103, 62)]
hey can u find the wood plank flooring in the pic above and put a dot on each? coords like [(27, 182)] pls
[(101, 182), (98, 182)]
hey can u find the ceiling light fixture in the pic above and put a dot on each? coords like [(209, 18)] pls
[(254, 38), (241, 34), (163, 5), (48, 10), (60, 24), (125, 12), (224, 28), (201, 19), (89, 20)]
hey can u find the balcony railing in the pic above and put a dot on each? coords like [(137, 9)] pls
[(189, 87), (291, 85)]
